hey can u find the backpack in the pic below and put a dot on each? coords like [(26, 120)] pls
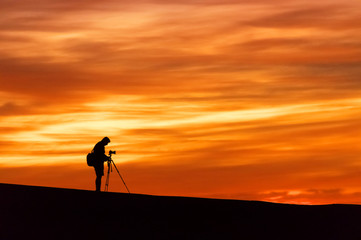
[(90, 159)]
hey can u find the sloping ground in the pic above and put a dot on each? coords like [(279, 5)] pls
[(28, 212)]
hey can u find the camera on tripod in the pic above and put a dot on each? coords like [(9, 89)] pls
[(110, 164)]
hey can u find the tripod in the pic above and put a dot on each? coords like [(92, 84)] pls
[(110, 169)]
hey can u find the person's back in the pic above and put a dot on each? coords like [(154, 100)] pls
[(100, 158), (99, 152)]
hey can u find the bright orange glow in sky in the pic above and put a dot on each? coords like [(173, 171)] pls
[(241, 99)]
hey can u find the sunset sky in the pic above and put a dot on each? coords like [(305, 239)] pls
[(236, 99)]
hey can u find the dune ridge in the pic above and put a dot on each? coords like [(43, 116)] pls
[(34, 212)]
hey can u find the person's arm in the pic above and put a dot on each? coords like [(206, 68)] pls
[(106, 158)]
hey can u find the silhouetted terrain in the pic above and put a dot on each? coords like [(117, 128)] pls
[(29, 212)]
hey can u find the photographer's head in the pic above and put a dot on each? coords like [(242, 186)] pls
[(105, 141)]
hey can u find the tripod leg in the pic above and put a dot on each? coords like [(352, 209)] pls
[(107, 179), (120, 176)]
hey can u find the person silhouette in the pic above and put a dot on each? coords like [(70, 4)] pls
[(100, 158)]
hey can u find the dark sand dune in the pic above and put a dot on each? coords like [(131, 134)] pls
[(29, 212)]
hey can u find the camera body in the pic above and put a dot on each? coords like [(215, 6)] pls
[(112, 152)]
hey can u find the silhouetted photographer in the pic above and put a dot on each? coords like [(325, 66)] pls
[(97, 158)]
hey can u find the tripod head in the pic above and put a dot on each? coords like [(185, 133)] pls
[(111, 152)]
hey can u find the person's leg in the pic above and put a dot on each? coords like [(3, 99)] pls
[(98, 180), (98, 183)]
